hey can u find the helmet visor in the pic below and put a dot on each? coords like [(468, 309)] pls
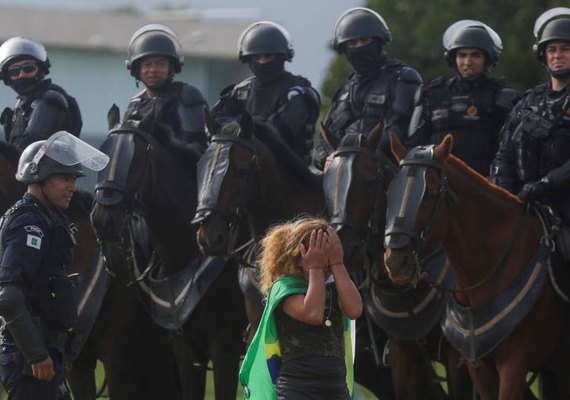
[(548, 16), (457, 27), (69, 150)]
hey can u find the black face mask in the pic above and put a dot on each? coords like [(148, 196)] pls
[(367, 59), (24, 86), (268, 71)]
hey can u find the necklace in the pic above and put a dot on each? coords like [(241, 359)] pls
[(328, 322)]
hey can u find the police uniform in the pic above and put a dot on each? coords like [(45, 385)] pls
[(37, 298), (535, 146), (178, 105), (472, 110), (44, 111), (288, 102), (365, 100)]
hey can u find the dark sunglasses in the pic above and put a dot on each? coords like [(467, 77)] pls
[(28, 67)]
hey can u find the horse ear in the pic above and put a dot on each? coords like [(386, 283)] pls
[(212, 126), (375, 135), (331, 139), (443, 150), (398, 149), (246, 123), (113, 116)]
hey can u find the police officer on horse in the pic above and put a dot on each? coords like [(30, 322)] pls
[(472, 105), (533, 160), (37, 299), (379, 89), (154, 57), (43, 108), (273, 95)]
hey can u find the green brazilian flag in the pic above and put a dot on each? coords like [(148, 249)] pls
[(260, 369)]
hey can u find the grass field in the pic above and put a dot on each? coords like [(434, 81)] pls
[(361, 393)]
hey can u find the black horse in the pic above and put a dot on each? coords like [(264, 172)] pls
[(355, 190), (153, 175), (249, 173)]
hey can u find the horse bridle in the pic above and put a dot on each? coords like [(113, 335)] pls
[(445, 194), (125, 245), (205, 207), (344, 153)]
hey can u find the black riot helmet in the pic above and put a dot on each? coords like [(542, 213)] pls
[(359, 23), (265, 37), (552, 25), (62, 153), (154, 40), (19, 48), (472, 34)]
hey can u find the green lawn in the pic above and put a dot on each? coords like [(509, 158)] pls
[(361, 393)]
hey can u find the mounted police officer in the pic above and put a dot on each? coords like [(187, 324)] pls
[(273, 95), (43, 108), (472, 105), (37, 300), (379, 89), (534, 153), (154, 57)]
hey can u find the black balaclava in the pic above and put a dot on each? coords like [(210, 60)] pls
[(25, 86), (269, 71), (367, 59)]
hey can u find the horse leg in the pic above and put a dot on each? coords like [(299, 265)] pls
[(253, 314), (485, 378), (82, 377), (412, 371), (368, 371), (192, 363), (512, 381), (459, 385)]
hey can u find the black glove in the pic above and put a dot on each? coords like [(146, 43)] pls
[(534, 191)]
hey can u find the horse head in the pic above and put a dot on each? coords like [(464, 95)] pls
[(355, 185), (225, 172), (419, 198), (146, 168)]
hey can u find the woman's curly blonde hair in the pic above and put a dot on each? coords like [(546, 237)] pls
[(280, 254)]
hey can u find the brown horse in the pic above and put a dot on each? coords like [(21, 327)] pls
[(196, 298), (504, 316), (355, 187)]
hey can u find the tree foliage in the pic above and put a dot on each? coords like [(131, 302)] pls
[(417, 28)]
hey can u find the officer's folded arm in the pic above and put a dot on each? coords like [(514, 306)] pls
[(20, 324)]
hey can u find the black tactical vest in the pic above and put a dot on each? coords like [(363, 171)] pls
[(363, 101), (468, 111), (51, 293), (23, 112)]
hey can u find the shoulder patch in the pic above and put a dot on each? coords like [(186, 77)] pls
[(34, 241), (35, 230)]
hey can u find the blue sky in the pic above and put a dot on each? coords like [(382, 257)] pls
[(310, 22)]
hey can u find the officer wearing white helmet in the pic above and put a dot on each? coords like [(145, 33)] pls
[(43, 108), (37, 297), (472, 105)]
